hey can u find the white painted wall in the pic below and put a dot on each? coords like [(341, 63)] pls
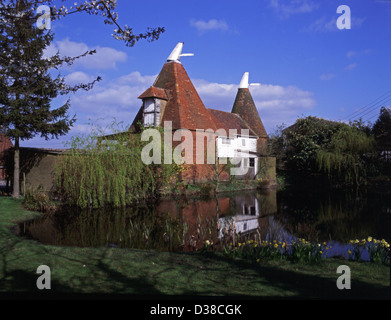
[(232, 147), (238, 147)]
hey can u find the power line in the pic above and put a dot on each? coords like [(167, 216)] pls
[(376, 115), (377, 108), (380, 103), (365, 108)]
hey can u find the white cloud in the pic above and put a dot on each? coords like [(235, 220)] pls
[(324, 25), (78, 77), (111, 101), (357, 22), (135, 78), (213, 24), (284, 9), (351, 66), (350, 54), (327, 76), (104, 58)]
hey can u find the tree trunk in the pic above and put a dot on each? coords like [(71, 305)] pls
[(15, 185)]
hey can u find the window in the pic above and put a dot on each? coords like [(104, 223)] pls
[(249, 210), (251, 162), (225, 140), (243, 142), (151, 112), (149, 119), (252, 210)]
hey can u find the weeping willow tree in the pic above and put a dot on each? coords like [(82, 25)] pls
[(346, 155), (103, 170)]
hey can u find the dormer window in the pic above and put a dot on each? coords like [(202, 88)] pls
[(154, 101), (151, 112)]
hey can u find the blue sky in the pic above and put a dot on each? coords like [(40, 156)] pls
[(305, 64)]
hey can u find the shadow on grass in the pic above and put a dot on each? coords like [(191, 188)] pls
[(304, 286)]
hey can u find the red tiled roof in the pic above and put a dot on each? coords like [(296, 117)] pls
[(153, 92), (245, 107), (227, 120), (184, 107)]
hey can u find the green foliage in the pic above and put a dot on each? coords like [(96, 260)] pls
[(382, 130), (276, 147), (345, 155), (382, 133), (335, 152), (101, 170), (304, 139)]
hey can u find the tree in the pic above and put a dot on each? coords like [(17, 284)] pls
[(382, 131), (304, 139), (27, 88), (276, 146), (346, 155)]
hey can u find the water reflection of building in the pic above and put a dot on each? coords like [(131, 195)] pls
[(251, 212), (223, 218)]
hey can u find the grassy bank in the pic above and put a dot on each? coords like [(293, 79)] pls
[(150, 273)]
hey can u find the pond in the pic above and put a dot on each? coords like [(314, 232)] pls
[(185, 223)]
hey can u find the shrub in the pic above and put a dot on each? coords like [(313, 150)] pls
[(38, 200)]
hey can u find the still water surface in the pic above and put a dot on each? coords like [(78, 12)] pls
[(185, 223)]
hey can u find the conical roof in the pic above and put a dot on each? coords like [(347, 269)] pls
[(245, 107), (184, 106)]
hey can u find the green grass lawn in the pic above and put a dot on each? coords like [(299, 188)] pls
[(150, 273)]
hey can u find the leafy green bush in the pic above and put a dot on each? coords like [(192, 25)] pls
[(103, 170)]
